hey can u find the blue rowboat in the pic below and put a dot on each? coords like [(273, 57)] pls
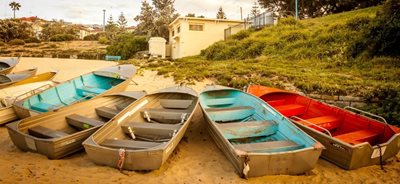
[(97, 83), (257, 139)]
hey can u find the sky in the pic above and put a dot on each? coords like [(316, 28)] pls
[(90, 11)]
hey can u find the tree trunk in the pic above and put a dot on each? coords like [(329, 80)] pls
[(14, 14)]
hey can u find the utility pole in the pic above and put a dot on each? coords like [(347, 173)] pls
[(241, 14), (104, 20), (297, 12)]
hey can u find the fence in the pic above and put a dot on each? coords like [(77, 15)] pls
[(257, 22)]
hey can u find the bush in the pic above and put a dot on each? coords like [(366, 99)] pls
[(382, 36), (16, 42), (103, 40), (93, 37), (2, 43), (241, 35), (126, 45), (32, 40), (62, 37)]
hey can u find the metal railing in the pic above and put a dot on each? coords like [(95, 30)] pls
[(303, 120), (33, 92), (365, 112)]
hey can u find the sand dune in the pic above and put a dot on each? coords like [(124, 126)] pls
[(196, 160)]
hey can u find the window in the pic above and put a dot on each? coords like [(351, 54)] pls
[(173, 33), (196, 27), (179, 29)]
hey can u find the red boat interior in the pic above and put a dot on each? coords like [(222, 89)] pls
[(341, 124)]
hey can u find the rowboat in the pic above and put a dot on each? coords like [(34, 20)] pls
[(255, 138), (144, 135), (8, 96), (10, 79), (351, 140), (7, 65), (97, 83), (61, 133), (47, 76)]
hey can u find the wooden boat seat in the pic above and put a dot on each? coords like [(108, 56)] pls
[(82, 122), (85, 90), (220, 101), (44, 132), (106, 112), (121, 106), (358, 137), (129, 144), (276, 102), (327, 122), (291, 109), (151, 131), (248, 129), (169, 116), (42, 107), (175, 103), (230, 113), (270, 146)]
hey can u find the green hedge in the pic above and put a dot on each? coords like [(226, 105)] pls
[(16, 42), (62, 37), (126, 45)]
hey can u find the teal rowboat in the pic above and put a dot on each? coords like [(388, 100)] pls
[(257, 139), (82, 88)]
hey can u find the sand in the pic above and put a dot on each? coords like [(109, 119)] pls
[(196, 159)]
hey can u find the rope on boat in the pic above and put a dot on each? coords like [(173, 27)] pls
[(380, 158), (246, 167), (121, 160)]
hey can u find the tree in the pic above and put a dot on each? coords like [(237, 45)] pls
[(155, 21), (255, 9), (14, 29), (190, 15), (122, 21), (221, 13), (165, 14), (111, 27), (315, 8), (14, 6), (57, 28), (146, 20)]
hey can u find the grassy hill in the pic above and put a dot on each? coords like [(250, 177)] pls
[(311, 55)]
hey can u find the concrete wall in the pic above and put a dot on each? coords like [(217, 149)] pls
[(190, 42)]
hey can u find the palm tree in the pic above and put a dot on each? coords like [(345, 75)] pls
[(15, 6)]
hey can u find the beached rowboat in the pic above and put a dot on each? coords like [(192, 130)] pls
[(101, 82), (61, 133), (144, 135), (13, 78), (7, 65), (351, 140), (254, 137)]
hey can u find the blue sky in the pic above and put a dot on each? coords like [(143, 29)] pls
[(90, 11)]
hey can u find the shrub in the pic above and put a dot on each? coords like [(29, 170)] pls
[(32, 40), (16, 42), (62, 37), (103, 40), (2, 43), (93, 37), (126, 45), (241, 35)]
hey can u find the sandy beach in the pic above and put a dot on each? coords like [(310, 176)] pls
[(196, 160)]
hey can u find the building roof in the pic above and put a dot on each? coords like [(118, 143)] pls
[(205, 20)]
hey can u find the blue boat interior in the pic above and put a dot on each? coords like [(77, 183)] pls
[(76, 90), (251, 125)]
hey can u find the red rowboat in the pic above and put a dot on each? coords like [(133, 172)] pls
[(351, 140)]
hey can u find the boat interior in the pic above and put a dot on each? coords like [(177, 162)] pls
[(339, 123), (76, 90), (248, 124), (68, 122), (154, 120)]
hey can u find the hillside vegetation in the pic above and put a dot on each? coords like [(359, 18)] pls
[(312, 55)]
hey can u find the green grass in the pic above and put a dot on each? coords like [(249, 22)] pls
[(310, 55)]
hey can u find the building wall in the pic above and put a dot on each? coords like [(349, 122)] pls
[(190, 42)]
